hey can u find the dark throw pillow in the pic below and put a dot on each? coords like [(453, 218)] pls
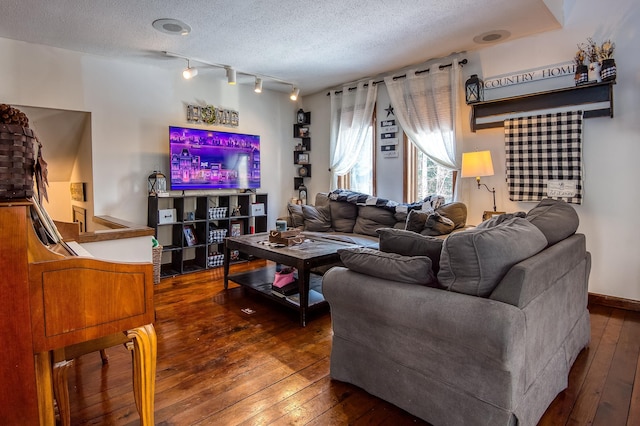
[(389, 266), (316, 219), (408, 243)]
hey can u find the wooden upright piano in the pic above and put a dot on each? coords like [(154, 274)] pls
[(51, 299)]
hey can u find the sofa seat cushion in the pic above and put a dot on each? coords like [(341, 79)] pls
[(356, 239), (389, 266), (317, 218), (555, 218), (474, 261), (408, 243)]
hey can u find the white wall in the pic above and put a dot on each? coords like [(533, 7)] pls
[(611, 146), (131, 107)]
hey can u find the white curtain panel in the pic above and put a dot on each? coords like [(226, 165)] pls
[(351, 113), (426, 107)]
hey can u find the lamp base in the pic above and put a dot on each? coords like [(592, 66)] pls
[(489, 213)]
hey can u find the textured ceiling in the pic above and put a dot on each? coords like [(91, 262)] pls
[(312, 44)]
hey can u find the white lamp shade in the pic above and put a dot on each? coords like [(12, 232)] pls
[(476, 164)]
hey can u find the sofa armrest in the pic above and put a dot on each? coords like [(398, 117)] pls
[(528, 279), (493, 328), (432, 332)]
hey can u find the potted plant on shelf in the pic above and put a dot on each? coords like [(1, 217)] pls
[(608, 70), (593, 53), (582, 70)]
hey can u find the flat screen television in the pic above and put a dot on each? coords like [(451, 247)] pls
[(209, 159)]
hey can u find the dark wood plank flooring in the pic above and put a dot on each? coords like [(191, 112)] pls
[(219, 366)]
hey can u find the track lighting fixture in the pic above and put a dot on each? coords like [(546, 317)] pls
[(294, 93), (231, 76), (189, 72), (231, 73), (258, 86)]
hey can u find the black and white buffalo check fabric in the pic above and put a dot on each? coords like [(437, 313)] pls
[(544, 157)]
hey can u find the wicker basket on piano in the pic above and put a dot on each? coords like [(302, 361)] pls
[(17, 154), (157, 263)]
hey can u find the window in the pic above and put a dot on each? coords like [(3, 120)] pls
[(425, 177), (361, 178)]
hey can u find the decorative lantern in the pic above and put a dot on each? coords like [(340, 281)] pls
[(300, 116), (302, 194), (474, 90), (157, 184)]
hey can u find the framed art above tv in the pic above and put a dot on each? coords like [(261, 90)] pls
[(210, 159)]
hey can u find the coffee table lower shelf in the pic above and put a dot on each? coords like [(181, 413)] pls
[(260, 280)]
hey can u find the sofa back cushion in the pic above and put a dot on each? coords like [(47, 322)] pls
[(456, 212), (555, 218), (316, 218), (296, 217), (371, 218), (474, 261), (343, 216)]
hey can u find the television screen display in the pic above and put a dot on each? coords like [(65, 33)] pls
[(209, 159)]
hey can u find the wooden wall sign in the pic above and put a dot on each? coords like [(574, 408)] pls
[(542, 73)]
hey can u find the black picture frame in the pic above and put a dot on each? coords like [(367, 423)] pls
[(190, 235), (300, 131), (303, 158)]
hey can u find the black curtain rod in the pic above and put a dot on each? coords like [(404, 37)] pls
[(462, 62)]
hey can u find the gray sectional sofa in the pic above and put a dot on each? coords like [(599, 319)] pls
[(357, 223), (480, 328)]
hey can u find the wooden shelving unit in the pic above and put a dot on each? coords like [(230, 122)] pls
[(596, 100), (201, 214)]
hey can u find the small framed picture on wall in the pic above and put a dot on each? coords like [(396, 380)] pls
[(303, 158)]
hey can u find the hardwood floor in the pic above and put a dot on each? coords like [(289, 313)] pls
[(220, 366)]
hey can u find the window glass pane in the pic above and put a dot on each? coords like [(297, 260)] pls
[(433, 178)]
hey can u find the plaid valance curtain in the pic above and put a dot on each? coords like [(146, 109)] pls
[(544, 157)]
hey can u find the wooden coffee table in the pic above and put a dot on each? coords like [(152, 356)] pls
[(310, 254)]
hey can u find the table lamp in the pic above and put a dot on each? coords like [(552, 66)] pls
[(476, 164)]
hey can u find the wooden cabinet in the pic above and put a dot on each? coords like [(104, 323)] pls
[(192, 228)]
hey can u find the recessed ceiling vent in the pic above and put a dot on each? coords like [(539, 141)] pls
[(491, 36), (171, 26)]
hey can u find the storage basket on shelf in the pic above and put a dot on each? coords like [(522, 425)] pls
[(17, 160)]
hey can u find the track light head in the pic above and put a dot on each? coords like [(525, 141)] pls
[(189, 73), (294, 94), (231, 76), (258, 86)]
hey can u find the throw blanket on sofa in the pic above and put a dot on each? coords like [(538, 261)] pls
[(544, 157), (429, 203)]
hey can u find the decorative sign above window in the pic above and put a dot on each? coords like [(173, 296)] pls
[(542, 73), (209, 114)]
